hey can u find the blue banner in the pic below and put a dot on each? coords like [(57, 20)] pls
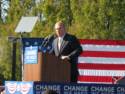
[(31, 46), (43, 45), (18, 87), (40, 87)]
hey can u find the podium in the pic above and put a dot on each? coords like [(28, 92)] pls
[(48, 69)]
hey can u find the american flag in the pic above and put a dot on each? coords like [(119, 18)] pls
[(102, 61)]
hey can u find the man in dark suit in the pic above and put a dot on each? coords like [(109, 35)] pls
[(66, 46)]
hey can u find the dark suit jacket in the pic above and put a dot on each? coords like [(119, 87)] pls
[(70, 47)]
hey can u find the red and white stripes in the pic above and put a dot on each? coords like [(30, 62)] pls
[(101, 60)]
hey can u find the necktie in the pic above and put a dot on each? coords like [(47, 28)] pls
[(59, 43)]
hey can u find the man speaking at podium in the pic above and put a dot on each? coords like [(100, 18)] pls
[(66, 46)]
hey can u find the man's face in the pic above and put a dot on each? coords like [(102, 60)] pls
[(60, 31)]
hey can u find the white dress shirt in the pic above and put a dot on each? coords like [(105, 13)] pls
[(59, 42), (60, 39)]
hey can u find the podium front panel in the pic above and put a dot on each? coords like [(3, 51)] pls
[(48, 69)]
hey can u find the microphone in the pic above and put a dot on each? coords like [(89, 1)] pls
[(47, 40), (44, 41), (46, 44)]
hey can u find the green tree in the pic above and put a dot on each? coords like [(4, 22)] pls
[(5, 61), (16, 10), (98, 19)]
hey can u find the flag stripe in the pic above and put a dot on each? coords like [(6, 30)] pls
[(91, 47), (103, 54), (94, 82), (101, 72), (96, 78), (102, 66), (101, 60), (102, 42)]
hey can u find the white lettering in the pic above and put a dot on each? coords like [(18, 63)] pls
[(44, 87), (75, 88), (120, 89), (102, 89)]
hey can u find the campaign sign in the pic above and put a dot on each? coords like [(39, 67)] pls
[(30, 55), (18, 87), (60, 88)]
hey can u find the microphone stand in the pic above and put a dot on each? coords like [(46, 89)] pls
[(46, 43)]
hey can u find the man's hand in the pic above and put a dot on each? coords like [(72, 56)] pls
[(64, 57)]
